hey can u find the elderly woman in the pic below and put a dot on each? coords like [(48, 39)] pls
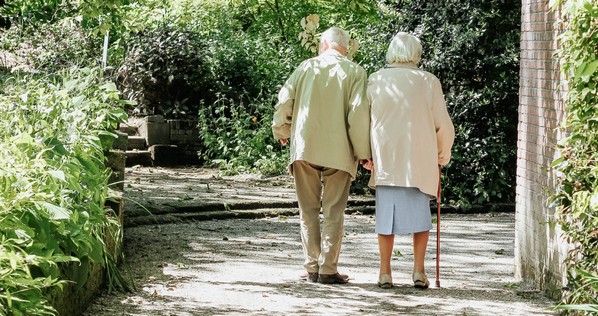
[(412, 134)]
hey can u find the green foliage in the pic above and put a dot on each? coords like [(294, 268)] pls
[(182, 57), (97, 15), (49, 47), (53, 35), (175, 63), (37, 10), (164, 72), (577, 191), (473, 48), (255, 49), (238, 138), (53, 134)]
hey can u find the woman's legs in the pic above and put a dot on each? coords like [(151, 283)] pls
[(385, 244), (420, 243)]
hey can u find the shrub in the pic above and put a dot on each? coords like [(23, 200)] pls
[(477, 65), (49, 47), (257, 54), (238, 138), (577, 190), (473, 48), (175, 63), (164, 72), (53, 133)]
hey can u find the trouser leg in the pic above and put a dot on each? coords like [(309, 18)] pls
[(334, 201), (309, 191)]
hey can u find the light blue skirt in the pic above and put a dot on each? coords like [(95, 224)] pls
[(401, 210)]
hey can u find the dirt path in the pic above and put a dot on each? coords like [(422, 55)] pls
[(250, 267)]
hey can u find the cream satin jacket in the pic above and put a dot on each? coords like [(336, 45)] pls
[(323, 109), (411, 130)]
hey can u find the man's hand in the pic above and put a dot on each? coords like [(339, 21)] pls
[(284, 141), (367, 163)]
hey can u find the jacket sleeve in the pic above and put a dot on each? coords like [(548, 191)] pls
[(358, 117), (283, 113), (445, 131)]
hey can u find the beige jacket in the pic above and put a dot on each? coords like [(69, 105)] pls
[(411, 130), (323, 109)]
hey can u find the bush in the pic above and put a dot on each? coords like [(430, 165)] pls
[(251, 61), (175, 64), (577, 190), (53, 134), (165, 73), (238, 138), (49, 47), (473, 48)]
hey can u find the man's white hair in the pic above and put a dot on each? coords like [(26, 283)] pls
[(335, 35), (404, 48)]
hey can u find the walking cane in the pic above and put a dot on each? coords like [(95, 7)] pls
[(438, 231)]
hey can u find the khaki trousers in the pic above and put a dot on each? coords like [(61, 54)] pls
[(326, 189)]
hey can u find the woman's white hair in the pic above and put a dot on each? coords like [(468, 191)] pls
[(404, 48), (335, 35)]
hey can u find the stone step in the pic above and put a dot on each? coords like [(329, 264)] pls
[(129, 129), (138, 157), (136, 142), (120, 143)]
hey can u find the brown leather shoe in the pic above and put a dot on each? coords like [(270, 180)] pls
[(309, 276), (336, 278)]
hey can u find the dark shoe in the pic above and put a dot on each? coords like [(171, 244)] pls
[(336, 278), (309, 276)]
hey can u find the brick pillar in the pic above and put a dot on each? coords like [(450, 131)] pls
[(539, 248)]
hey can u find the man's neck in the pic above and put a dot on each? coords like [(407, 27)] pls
[(341, 50)]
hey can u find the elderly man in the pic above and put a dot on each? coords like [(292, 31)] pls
[(323, 109)]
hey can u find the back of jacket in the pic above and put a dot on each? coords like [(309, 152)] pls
[(412, 132), (323, 109)]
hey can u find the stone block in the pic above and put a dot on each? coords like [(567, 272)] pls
[(158, 134), (128, 129), (74, 299), (167, 155), (155, 119), (121, 141), (116, 161), (136, 142), (138, 157), (117, 204)]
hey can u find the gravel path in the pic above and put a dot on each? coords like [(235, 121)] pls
[(251, 266)]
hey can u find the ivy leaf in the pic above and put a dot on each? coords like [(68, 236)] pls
[(588, 70)]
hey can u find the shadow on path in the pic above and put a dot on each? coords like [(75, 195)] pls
[(251, 267)]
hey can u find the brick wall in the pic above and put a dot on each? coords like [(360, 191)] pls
[(539, 250)]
